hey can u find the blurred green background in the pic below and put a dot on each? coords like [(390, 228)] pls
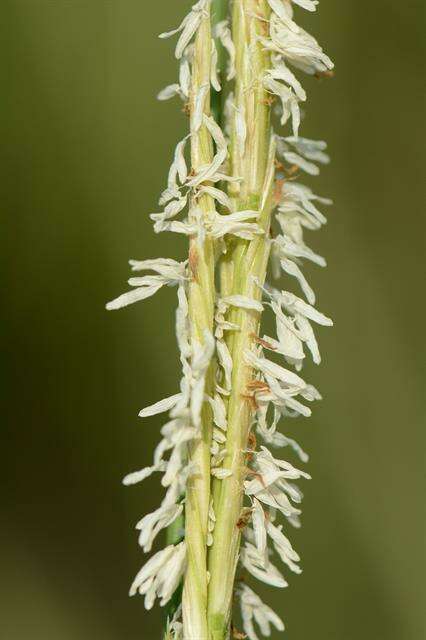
[(85, 152)]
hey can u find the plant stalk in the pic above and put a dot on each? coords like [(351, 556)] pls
[(244, 261), (201, 298)]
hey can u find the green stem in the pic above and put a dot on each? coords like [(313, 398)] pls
[(201, 299), (245, 260)]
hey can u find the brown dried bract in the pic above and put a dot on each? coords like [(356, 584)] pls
[(278, 190), (293, 170), (237, 635), (258, 476), (269, 101), (324, 74), (265, 344), (244, 519), (193, 261), (251, 400), (251, 446), (257, 385), (252, 442)]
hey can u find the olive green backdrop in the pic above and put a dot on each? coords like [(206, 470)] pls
[(85, 151)]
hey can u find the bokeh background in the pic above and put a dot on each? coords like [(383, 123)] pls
[(85, 151)]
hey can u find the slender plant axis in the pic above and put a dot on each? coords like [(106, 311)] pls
[(233, 189)]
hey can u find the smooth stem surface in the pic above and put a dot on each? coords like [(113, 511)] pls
[(245, 260), (201, 311)]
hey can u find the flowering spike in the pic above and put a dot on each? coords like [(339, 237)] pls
[(233, 192)]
